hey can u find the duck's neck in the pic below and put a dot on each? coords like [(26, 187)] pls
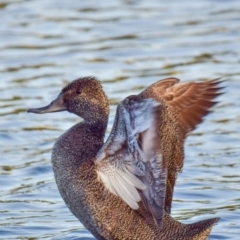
[(97, 120), (80, 143), (95, 128), (96, 114)]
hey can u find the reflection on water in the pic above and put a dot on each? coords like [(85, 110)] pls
[(128, 45)]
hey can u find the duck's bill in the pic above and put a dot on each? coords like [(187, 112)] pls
[(55, 106)]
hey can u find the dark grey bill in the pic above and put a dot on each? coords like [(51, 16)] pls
[(55, 106)]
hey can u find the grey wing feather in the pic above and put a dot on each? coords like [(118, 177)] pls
[(130, 163)]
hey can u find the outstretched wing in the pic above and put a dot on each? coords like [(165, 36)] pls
[(130, 163), (185, 106)]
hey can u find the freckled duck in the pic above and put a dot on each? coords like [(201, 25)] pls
[(122, 189)]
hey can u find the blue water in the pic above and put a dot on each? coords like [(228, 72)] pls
[(128, 45)]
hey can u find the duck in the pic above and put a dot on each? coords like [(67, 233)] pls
[(122, 188)]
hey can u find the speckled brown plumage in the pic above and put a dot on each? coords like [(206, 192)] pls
[(104, 214)]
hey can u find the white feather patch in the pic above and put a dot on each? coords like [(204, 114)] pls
[(123, 184)]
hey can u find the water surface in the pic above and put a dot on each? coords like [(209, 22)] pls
[(128, 45)]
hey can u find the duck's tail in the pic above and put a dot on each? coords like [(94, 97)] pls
[(201, 230), (174, 230)]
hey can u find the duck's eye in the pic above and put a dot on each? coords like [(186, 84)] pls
[(78, 91)]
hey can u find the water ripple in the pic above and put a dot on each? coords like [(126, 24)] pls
[(128, 45)]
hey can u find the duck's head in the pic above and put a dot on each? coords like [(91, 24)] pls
[(83, 97)]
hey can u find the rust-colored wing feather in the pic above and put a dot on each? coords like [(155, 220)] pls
[(191, 101), (183, 107)]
